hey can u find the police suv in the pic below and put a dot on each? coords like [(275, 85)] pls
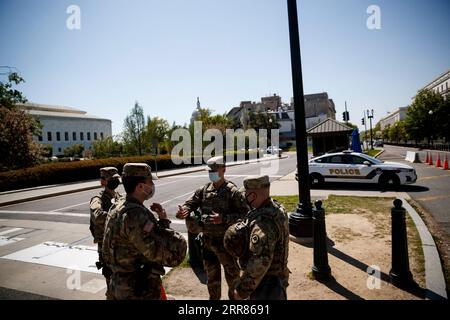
[(349, 166)]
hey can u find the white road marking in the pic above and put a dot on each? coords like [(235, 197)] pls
[(69, 214), (5, 240), (183, 195), (10, 231), (68, 207), (60, 255)]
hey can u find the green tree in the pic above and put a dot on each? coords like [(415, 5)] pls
[(107, 147), (75, 150), (428, 116), (17, 147), (133, 134), (156, 131), (9, 96)]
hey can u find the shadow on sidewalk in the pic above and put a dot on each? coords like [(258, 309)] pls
[(415, 289), (332, 284)]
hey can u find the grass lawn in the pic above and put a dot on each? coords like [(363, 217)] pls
[(372, 153)]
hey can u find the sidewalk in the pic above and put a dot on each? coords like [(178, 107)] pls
[(359, 244), (18, 196)]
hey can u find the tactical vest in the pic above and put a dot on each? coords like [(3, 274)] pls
[(97, 231), (217, 201), (122, 256)]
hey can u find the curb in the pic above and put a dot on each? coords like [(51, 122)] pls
[(49, 195), (434, 277), (379, 153)]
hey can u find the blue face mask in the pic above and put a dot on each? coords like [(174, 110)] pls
[(214, 176)]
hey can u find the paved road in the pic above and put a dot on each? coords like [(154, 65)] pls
[(170, 191), (432, 189)]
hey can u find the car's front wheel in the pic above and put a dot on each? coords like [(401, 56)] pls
[(389, 180)]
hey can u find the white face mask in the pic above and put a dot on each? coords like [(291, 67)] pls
[(151, 193), (214, 176)]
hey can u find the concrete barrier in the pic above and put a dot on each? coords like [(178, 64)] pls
[(412, 156)]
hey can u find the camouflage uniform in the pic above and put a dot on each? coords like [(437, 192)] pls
[(230, 203), (99, 206), (137, 246), (264, 264)]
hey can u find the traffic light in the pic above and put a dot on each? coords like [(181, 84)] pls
[(345, 116), (363, 122)]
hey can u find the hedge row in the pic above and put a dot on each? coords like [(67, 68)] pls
[(64, 172)]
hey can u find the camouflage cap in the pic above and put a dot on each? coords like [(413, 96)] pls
[(137, 170), (257, 182), (109, 173), (215, 163)]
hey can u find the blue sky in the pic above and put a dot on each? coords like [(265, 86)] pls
[(166, 53)]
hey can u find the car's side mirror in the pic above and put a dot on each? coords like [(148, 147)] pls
[(367, 163)]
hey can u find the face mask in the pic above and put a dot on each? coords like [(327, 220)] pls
[(249, 202), (112, 184), (149, 193), (214, 176)]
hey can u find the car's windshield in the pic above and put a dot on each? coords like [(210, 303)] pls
[(374, 160)]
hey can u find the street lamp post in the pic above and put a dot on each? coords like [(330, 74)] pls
[(370, 116), (300, 221), (430, 137)]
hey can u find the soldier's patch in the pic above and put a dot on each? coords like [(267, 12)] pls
[(255, 239), (148, 227)]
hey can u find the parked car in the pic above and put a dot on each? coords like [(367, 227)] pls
[(348, 166)]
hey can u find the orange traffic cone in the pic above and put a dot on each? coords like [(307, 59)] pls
[(430, 161), (445, 163), (427, 160), (438, 161)]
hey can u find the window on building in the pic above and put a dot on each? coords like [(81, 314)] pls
[(95, 135), (49, 136), (58, 136), (89, 136), (59, 149), (66, 136), (39, 138), (74, 136), (81, 136), (101, 135)]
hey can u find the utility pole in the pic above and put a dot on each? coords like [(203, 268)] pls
[(370, 116), (300, 221), (347, 118)]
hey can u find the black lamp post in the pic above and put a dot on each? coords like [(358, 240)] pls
[(370, 116), (300, 221)]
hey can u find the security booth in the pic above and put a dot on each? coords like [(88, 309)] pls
[(329, 136)]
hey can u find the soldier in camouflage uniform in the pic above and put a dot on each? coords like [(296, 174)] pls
[(99, 206), (137, 245), (221, 204), (261, 241)]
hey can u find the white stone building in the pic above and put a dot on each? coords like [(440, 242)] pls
[(66, 126), (393, 117), (439, 85)]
